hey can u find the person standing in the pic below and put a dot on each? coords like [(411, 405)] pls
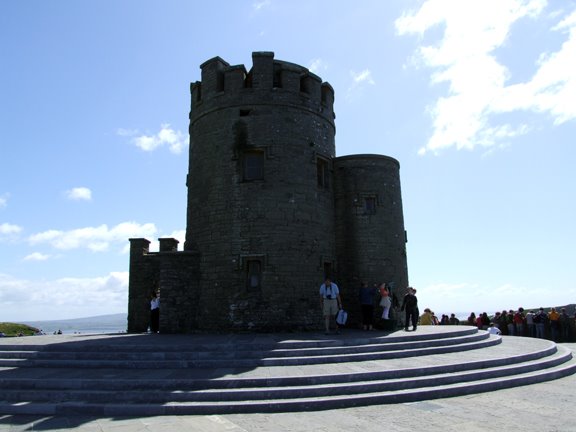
[(564, 325), (554, 318), (540, 320), (154, 312), (453, 320), (329, 301), (410, 305), (530, 324), (367, 295), (385, 301), (519, 322), (510, 323)]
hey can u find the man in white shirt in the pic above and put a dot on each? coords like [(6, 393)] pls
[(329, 301), (494, 330)]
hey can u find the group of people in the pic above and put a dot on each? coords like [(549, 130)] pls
[(537, 323), (430, 318), (558, 326), (331, 303)]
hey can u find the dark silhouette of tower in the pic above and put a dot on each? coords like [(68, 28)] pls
[(271, 210)]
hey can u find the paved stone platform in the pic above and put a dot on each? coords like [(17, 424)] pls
[(544, 407)]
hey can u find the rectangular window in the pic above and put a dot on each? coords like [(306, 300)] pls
[(253, 274), (322, 173), (370, 205), (253, 165)]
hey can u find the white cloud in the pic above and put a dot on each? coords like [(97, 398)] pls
[(36, 256), (96, 239), (9, 231), (79, 194), (26, 300), (465, 59), (167, 136), (179, 235), (317, 65), (362, 77)]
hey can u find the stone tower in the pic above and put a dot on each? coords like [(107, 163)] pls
[(271, 210)]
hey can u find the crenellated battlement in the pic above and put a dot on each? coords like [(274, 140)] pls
[(220, 79)]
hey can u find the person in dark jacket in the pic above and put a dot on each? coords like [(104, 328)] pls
[(410, 305)]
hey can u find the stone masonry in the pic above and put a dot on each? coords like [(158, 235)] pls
[(271, 210)]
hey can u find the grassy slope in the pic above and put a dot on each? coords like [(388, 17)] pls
[(11, 329)]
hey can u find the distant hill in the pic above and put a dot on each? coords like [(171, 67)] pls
[(113, 323)]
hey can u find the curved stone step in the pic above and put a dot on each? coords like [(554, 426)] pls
[(201, 352), (242, 363), (315, 374), (306, 388), (401, 395), (349, 351), (260, 342), (199, 379)]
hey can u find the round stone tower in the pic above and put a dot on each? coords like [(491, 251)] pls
[(260, 193), (370, 235)]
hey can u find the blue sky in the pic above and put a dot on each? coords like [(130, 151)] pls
[(476, 99)]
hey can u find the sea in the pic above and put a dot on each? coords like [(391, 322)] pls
[(113, 323)]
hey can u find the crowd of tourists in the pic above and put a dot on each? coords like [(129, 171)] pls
[(555, 325)]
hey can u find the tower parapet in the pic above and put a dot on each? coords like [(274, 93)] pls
[(296, 83)]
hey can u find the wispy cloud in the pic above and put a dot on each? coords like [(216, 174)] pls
[(259, 5), (4, 200), (362, 77), (96, 239), (359, 81), (126, 132), (36, 256), (64, 297), (166, 137), (79, 194), (465, 59)]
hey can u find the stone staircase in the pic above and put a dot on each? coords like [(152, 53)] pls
[(123, 375)]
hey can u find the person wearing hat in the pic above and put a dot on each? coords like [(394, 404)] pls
[(410, 305)]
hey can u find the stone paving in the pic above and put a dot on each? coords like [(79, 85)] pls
[(543, 407)]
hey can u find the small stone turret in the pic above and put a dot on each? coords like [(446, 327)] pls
[(370, 235)]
